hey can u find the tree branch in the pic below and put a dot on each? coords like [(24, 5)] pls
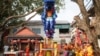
[(77, 18), (84, 12), (22, 22), (97, 7), (18, 16), (82, 7), (79, 23), (4, 8)]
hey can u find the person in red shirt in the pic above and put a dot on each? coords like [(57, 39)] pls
[(27, 50)]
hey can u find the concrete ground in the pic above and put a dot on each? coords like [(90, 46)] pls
[(1, 54)]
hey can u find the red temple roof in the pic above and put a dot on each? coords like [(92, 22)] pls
[(25, 33)]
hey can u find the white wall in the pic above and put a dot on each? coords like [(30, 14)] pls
[(56, 34), (99, 42)]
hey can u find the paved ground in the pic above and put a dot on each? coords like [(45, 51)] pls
[(1, 54)]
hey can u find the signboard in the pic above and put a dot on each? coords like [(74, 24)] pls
[(62, 26)]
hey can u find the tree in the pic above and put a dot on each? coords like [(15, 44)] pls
[(9, 8), (12, 13), (91, 27)]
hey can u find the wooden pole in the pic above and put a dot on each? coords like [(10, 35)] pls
[(55, 49), (40, 50)]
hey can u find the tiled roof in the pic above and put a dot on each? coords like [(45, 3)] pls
[(25, 32)]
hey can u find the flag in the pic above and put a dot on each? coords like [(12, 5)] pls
[(77, 38)]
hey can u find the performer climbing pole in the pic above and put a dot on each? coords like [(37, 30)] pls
[(48, 17)]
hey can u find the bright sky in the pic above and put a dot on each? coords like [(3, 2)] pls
[(71, 9)]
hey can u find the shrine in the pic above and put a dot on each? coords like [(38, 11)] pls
[(23, 37)]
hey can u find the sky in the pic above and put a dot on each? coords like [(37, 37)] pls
[(71, 9)]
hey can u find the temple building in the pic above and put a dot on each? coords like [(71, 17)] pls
[(62, 30), (23, 37)]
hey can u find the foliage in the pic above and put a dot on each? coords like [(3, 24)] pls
[(12, 13), (18, 7)]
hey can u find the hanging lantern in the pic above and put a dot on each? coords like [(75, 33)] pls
[(48, 17)]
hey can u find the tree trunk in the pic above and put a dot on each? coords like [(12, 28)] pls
[(97, 25), (1, 44), (3, 35), (84, 24)]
